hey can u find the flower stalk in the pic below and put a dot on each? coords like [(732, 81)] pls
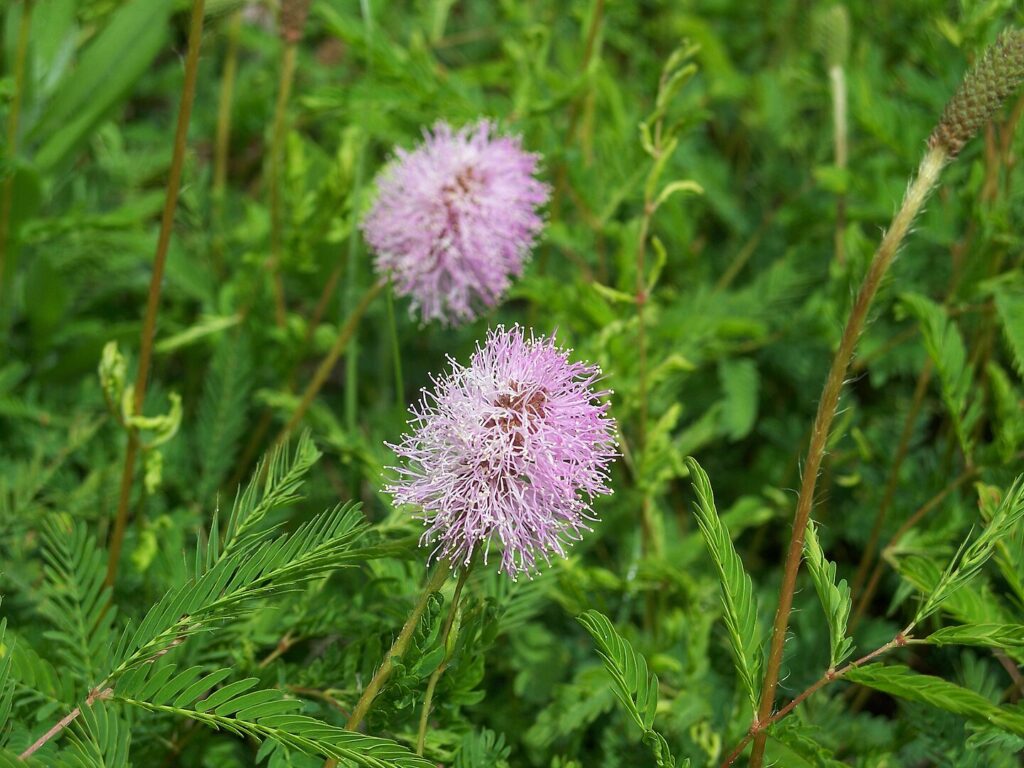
[(927, 176), (188, 93), (997, 75), (446, 631), (434, 582), (323, 371)]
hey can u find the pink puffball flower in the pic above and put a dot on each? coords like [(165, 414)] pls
[(514, 447), (455, 219)]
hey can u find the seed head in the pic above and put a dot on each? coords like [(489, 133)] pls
[(993, 78)]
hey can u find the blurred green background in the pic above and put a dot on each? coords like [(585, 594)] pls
[(748, 285)]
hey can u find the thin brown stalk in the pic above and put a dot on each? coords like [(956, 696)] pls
[(928, 174), (13, 118), (869, 590), (64, 722), (345, 335), (188, 92), (223, 136), (432, 683), (894, 477), (761, 727)]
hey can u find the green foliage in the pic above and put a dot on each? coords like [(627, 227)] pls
[(260, 714), (635, 688), (737, 589), (834, 597), (973, 555), (1009, 301), (222, 413), (903, 682), (991, 635), (697, 193), (77, 602), (948, 353), (6, 684)]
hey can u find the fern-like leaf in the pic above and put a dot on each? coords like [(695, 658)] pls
[(98, 739), (903, 682), (970, 558), (6, 683), (275, 483), (946, 348), (1009, 300), (634, 686), (222, 413), (834, 596), (236, 581), (76, 601), (737, 588), (260, 713)]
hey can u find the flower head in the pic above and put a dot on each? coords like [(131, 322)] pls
[(513, 447), (455, 219)]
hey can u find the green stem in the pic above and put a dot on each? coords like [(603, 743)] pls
[(223, 136), (837, 82), (434, 582), (195, 36), (396, 352), (432, 683), (928, 174), (345, 335), (284, 89)]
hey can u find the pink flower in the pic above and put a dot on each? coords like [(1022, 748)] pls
[(514, 448), (455, 219)]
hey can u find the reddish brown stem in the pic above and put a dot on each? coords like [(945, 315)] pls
[(64, 722), (188, 93), (830, 676), (928, 174)]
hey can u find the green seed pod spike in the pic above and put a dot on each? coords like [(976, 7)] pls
[(986, 87)]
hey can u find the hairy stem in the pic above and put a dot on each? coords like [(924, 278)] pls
[(195, 35), (345, 335), (927, 176), (761, 726), (432, 683), (13, 117)]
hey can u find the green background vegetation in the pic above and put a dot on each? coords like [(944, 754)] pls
[(747, 289)]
